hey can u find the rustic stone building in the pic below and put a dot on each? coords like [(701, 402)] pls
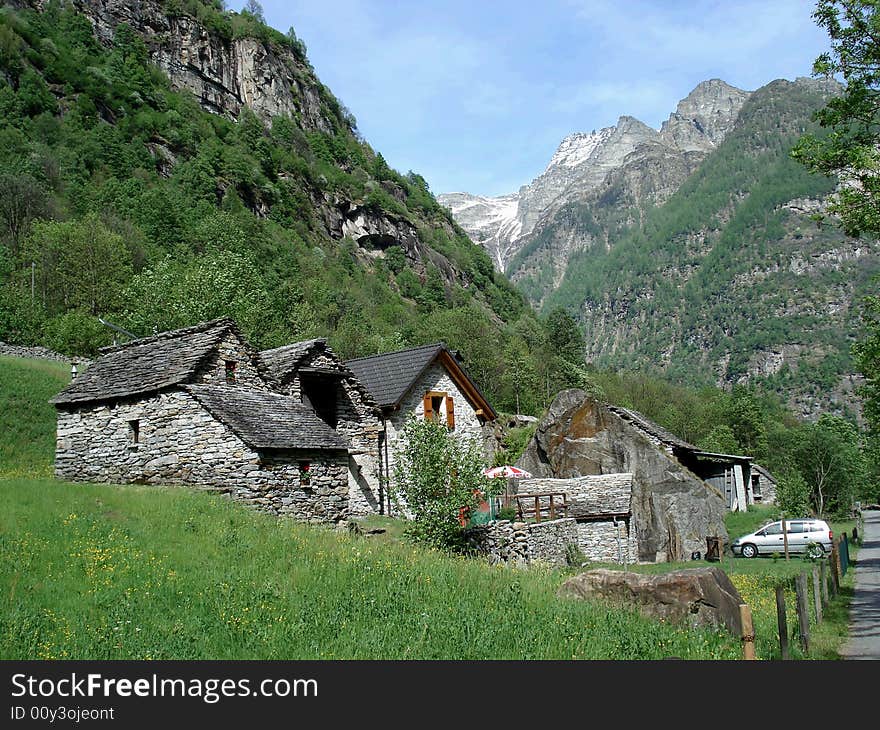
[(423, 382), (311, 372), (198, 406), (673, 509)]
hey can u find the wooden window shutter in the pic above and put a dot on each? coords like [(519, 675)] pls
[(450, 413), (429, 411)]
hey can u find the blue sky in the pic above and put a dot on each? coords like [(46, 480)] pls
[(476, 95)]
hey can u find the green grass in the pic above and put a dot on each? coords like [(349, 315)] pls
[(27, 420), (110, 572), (93, 571)]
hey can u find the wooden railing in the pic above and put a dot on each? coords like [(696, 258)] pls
[(541, 505)]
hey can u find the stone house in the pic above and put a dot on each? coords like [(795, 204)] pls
[(427, 382), (763, 485), (199, 406), (673, 510), (311, 372)]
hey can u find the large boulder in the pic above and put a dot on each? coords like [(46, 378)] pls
[(700, 597), (673, 510)]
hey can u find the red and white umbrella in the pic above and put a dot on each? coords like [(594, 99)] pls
[(507, 472)]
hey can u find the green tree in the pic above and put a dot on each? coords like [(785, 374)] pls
[(850, 151), (438, 478), (78, 264)]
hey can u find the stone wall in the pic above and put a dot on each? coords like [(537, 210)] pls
[(523, 543), (602, 541), (435, 378), (41, 353), (179, 442), (359, 424), (231, 348)]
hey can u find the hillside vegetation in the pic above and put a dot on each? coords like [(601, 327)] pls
[(732, 273), (123, 198)]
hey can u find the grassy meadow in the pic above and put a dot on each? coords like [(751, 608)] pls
[(93, 571)]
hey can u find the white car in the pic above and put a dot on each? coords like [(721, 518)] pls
[(806, 535)]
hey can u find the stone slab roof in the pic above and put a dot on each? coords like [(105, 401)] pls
[(266, 420), (588, 496), (146, 365), (280, 361), (651, 428), (389, 376)]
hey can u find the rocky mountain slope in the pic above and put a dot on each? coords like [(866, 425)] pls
[(698, 256), (648, 164), (199, 150)]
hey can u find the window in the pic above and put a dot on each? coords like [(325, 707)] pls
[(134, 430), (434, 405), (794, 527), (230, 371), (305, 473), (774, 529), (319, 392)]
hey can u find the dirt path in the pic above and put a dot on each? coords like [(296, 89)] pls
[(864, 628)]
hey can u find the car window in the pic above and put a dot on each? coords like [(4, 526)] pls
[(796, 527), (774, 529)]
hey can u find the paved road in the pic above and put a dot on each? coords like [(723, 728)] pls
[(864, 641)]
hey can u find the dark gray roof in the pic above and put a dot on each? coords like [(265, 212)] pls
[(146, 365), (266, 420), (763, 472), (654, 429), (283, 360), (389, 376)]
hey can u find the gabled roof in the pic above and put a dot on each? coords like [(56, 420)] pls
[(651, 428), (266, 420), (281, 361), (677, 445), (147, 365), (390, 376)]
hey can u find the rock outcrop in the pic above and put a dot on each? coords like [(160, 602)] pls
[(225, 74), (673, 510), (698, 597)]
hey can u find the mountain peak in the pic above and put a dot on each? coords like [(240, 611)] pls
[(704, 117)]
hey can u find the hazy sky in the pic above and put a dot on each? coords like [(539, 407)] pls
[(475, 95)]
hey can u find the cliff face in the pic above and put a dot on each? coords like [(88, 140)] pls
[(225, 74)]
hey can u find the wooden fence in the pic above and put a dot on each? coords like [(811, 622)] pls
[(813, 591)]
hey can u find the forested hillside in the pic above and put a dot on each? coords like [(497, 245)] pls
[(157, 202), (732, 279)]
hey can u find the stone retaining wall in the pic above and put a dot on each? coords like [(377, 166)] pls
[(524, 543)]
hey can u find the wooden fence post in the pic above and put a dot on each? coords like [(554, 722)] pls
[(803, 612), (782, 621), (823, 573), (833, 565), (748, 631), (817, 596)]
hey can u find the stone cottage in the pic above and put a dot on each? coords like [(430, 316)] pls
[(425, 382), (199, 406), (763, 485), (729, 473), (311, 372)]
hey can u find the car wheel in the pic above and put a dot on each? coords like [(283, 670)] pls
[(815, 551), (749, 551)]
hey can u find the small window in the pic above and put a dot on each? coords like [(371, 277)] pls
[(134, 430), (305, 473), (230, 371)]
